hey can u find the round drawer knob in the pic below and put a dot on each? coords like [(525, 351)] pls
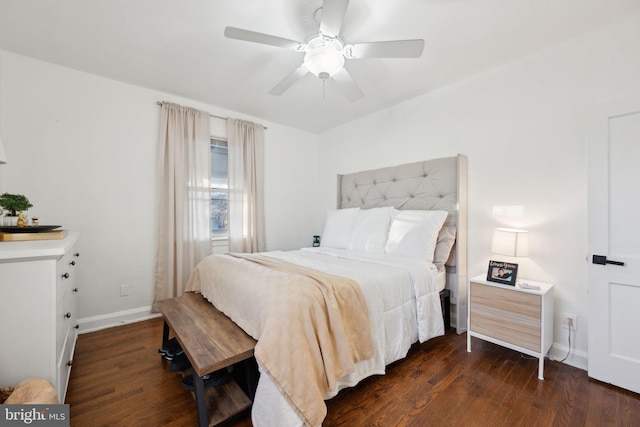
[(70, 362), (72, 263), (77, 254), (68, 315), (75, 289), (65, 275)]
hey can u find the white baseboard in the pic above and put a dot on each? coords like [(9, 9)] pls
[(577, 358), (104, 321)]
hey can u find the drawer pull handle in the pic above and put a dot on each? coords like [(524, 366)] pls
[(68, 315), (70, 362), (75, 289), (77, 254), (65, 275), (72, 263)]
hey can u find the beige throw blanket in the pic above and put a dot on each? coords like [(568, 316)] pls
[(312, 327)]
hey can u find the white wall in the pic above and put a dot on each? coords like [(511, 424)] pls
[(82, 149), (523, 128)]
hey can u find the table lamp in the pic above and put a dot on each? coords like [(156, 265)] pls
[(510, 242)]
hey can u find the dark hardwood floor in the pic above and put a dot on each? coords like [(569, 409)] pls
[(119, 379)]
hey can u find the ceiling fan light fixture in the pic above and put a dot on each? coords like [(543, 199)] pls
[(324, 61), (325, 52)]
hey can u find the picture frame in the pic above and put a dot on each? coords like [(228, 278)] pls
[(502, 272)]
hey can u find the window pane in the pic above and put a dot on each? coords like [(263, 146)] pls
[(219, 167), (219, 189), (219, 213)]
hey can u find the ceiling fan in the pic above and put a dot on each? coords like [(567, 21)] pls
[(325, 52)]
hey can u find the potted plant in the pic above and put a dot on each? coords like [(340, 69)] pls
[(14, 203)]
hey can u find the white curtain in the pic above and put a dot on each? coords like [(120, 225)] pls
[(184, 233), (246, 186)]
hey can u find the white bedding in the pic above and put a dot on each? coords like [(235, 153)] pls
[(404, 306), (440, 279)]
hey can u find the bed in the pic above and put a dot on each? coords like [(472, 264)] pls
[(395, 241)]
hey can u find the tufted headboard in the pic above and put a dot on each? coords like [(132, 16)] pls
[(437, 184)]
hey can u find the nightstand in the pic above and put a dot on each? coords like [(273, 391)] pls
[(513, 317)]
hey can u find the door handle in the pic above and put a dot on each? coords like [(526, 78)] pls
[(602, 260)]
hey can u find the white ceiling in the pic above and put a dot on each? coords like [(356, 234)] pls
[(179, 47)]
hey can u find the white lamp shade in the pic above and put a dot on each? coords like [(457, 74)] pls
[(3, 156), (510, 242), (324, 61)]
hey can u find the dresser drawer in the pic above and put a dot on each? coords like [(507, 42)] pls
[(66, 315), (511, 303), (515, 331), (64, 363)]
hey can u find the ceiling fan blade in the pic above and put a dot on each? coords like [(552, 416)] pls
[(288, 81), (390, 49), (347, 85), (252, 36), (333, 12)]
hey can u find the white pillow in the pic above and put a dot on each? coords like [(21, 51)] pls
[(446, 239), (415, 233), (371, 230), (338, 228)]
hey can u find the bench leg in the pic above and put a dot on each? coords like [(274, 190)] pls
[(251, 375), (201, 401), (165, 333)]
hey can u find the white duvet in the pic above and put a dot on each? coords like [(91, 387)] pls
[(404, 307)]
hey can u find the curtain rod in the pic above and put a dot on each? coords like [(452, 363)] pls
[(210, 115)]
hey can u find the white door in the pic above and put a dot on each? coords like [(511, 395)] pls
[(614, 236)]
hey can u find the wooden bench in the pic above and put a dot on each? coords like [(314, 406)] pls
[(211, 342)]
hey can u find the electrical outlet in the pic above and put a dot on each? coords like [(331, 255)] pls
[(570, 321), (125, 290)]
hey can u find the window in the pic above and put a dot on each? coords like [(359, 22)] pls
[(219, 190)]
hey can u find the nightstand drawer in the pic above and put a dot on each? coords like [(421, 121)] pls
[(508, 302), (508, 329)]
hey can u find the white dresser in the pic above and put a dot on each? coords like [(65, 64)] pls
[(38, 329)]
